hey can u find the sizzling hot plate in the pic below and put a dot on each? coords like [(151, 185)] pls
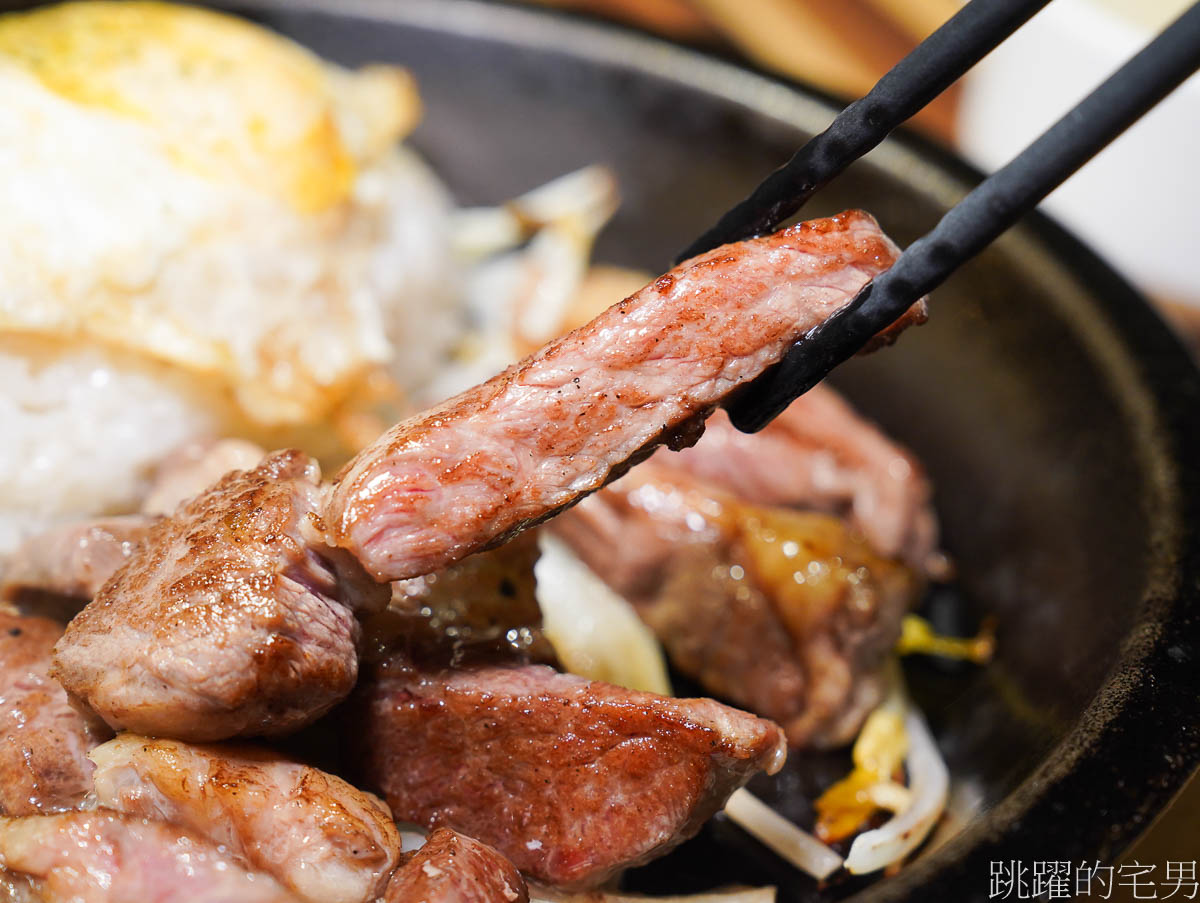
[(1055, 412)]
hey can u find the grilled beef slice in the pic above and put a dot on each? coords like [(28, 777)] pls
[(570, 779)]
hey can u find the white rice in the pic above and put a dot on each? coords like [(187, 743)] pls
[(82, 429)]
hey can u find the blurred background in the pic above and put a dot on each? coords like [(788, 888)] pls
[(844, 46), (1138, 203)]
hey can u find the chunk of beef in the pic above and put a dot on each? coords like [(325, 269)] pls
[(546, 432), (103, 857), (821, 454), (63, 568), (453, 868), (72, 561), (235, 618), (317, 835), (568, 778), (43, 741), (787, 613)]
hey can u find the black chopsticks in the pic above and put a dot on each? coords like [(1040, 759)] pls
[(994, 206)]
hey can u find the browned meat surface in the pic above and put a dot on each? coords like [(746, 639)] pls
[(317, 835), (568, 778), (43, 741), (453, 868), (783, 612), (196, 466), (74, 560), (234, 618), (559, 425), (821, 454), (102, 857)]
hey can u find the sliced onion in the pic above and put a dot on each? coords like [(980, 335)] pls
[(525, 262), (412, 837), (797, 846), (890, 796), (929, 786), (595, 632), (585, 198)]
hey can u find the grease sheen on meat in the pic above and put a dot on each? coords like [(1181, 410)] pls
[(103, 857), (44, 742), (560, 424), (73, 561), (453, 868), (785, 612), (487, 600), (570, 779), (65, 566), (317, 835), (821, 454), (234, 618)]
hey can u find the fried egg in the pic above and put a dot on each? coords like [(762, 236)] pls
[(207, 230), (193, 188)]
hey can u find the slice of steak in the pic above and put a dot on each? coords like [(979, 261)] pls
[(234, 618), (103, 857), (72, 561), (821, 454), (321, 838), (541, 435), (43, 740), (570, 779), (786, 613), (453, 868)]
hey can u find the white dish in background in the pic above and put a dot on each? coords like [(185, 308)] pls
[(1138, 202)]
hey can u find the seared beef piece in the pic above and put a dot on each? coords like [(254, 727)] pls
[(43, 741), (63, 568), (195, 466), (535, 439), (820, 454), (103, 857), (73, 561), (453, 868), (318, 836), (783, 612), (570, 779), (234, 618), (483, 605)]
